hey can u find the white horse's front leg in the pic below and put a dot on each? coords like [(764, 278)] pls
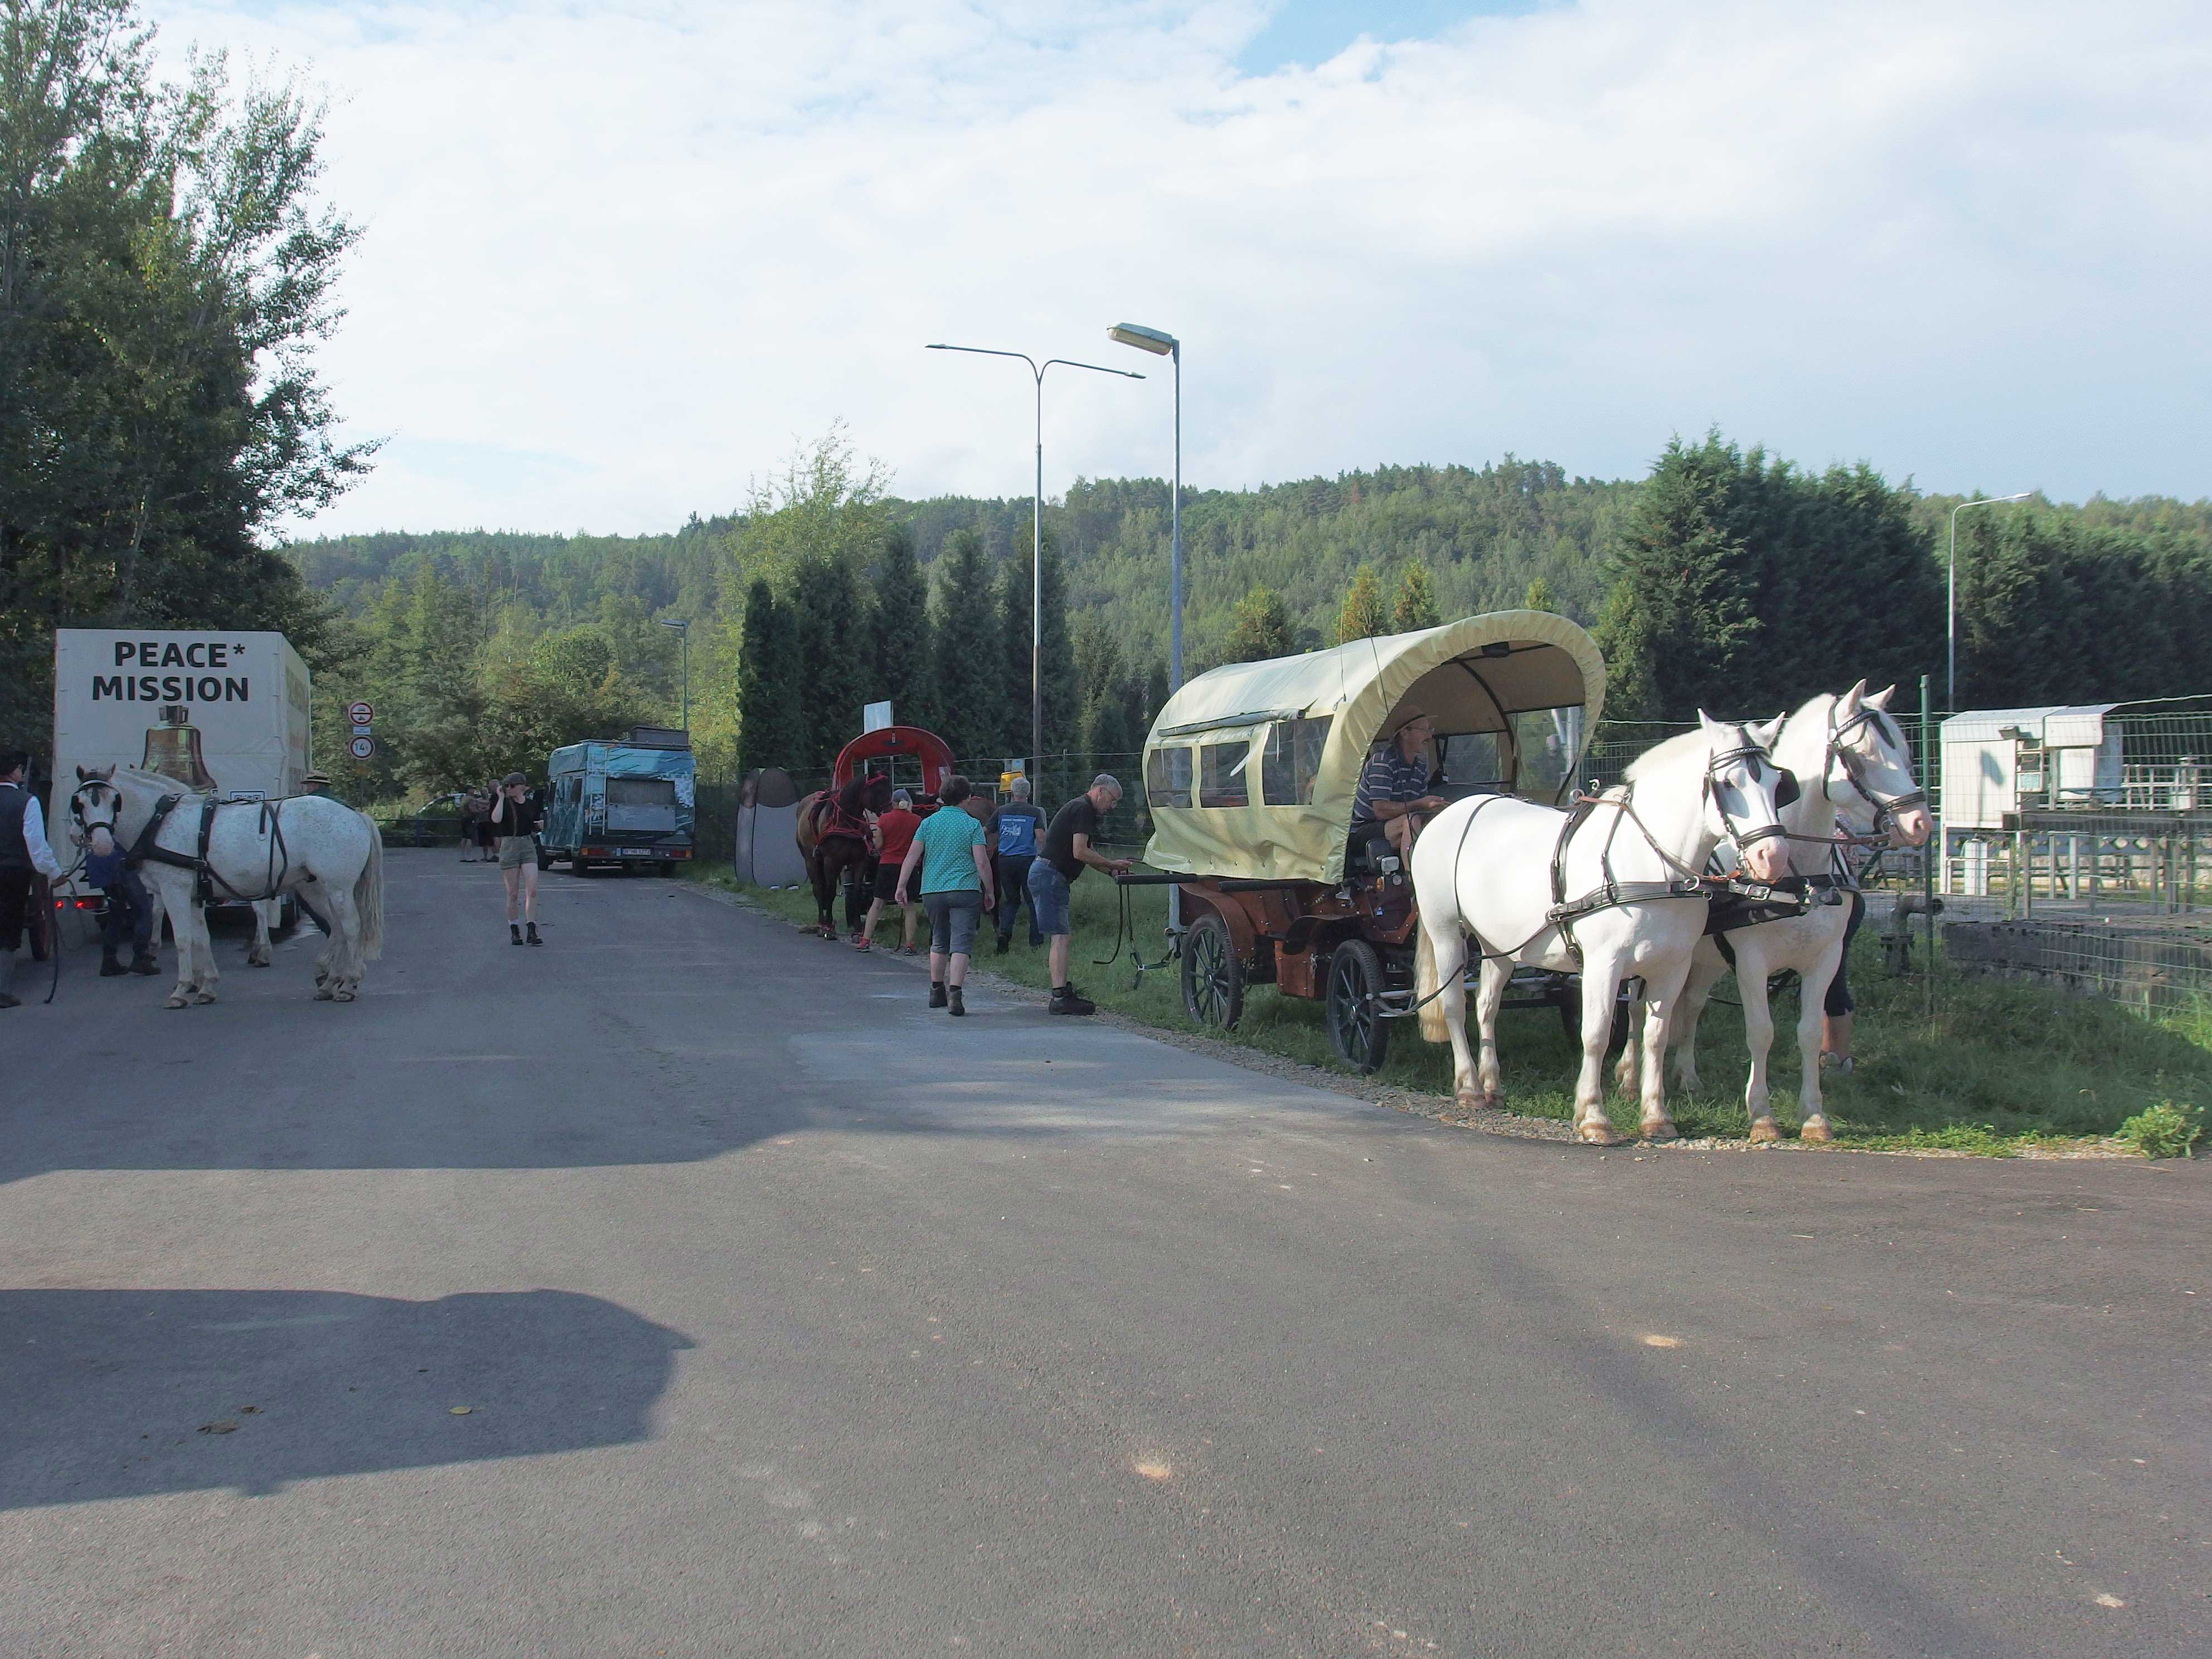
[(258, 954), (1812, 994), (1707, 968), (1489, 996), (1600, 987), (1758, 1038), (1663, 1008)]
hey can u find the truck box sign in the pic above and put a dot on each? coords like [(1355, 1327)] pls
[(227, 711)]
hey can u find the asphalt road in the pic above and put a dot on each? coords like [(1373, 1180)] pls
[(791, 1318)]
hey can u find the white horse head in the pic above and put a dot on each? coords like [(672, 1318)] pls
[(1869, 763), (1732, 768)]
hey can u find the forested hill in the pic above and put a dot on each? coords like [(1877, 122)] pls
[(1483, 533)]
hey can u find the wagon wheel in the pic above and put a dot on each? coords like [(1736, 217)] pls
[(1357, 1035), (1212, 978)]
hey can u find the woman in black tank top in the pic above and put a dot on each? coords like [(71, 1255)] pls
[(514, 820)]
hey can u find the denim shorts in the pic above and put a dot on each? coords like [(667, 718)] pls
[(1049, 897), (953, 918)]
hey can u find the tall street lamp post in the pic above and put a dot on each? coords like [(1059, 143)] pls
[(1037, 542), (683, 626), (1158, 343), (1951, 597)]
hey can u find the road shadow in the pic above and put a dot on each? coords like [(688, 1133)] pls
[(124, 1394)]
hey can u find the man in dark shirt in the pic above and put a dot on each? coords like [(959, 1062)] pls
[(1015, 829), (1067, 848), (1394, 797)]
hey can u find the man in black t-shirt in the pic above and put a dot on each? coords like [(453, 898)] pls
[(1067, 848)]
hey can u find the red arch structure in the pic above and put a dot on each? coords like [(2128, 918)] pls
[(890, 742)]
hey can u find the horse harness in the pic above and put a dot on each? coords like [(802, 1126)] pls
[(144, 850), (1685, 883), (1886, 807)]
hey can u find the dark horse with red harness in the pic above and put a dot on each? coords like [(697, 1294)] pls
[(834, 839)]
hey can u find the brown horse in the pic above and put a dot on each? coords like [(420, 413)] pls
[(833, 841)]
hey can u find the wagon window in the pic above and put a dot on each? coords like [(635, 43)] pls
[(1548, 740), (1291, 759), (1221, 773), (1166, 777), (1472, 759)]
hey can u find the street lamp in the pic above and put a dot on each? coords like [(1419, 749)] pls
[(683, 626), (1037, 541), (1159, 343), (1951, 595)]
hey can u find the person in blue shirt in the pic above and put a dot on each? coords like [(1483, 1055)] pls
[(1393, 799), (130, 910), (1015, 827), (949, 866)]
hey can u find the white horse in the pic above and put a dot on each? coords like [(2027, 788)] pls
[(1627, 901), (1864, 767), (329, 854)]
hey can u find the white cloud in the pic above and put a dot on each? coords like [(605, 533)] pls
[(619, 258)]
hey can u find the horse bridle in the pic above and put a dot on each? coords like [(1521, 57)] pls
[(89, 824), (1886, 807), (1749, 752)]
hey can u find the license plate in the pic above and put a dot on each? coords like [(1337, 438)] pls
[(637, 853)]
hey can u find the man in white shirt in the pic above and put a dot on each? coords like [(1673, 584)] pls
[(23, 853)]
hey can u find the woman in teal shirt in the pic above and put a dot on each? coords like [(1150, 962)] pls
[(955, 888)]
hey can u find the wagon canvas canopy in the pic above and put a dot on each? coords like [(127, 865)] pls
[(1250, 770)]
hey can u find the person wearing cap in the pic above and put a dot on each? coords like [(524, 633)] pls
[(314, 783), (1067, 848), (1393, 799), (893, 834), (23, 853), (514, 819)]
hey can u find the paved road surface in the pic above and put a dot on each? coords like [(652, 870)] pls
[(793, 1319)]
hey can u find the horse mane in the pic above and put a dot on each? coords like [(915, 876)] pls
[(1676, 748)]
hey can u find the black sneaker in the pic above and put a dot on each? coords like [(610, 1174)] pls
[(958, 1007), (937, 993), (513, 934), (143, 963), (1067, 1001), (1004, 942), (530, 935), (111, 966)]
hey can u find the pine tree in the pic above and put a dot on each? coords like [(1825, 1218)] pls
[(902, 656), (1690, 580), (1262, 628), (1363, 616), (1416, 605), (770, 725), (1538, 596), (1625, 646), (963, 636), (831, 619)]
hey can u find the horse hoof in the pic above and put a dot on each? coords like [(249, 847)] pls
[(1764, 1131), (175, 1001), (203, 998), (1662, 1130), (341, 996), (1817, 1131), (1471, 1100), (1596, 1134), (323, 994), (259, 962)]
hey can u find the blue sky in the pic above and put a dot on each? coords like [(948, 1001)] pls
[(618, 258)]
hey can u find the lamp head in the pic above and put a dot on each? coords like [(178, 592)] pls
[(1144, 339)]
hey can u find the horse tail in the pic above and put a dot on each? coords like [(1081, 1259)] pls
[(1435, 1028), (368, 893)]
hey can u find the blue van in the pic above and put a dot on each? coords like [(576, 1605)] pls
[(625, 804)]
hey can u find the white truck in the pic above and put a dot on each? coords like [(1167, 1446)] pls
[(223, 711)]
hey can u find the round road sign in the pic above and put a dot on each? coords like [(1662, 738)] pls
[(360, 712), (362, 748)]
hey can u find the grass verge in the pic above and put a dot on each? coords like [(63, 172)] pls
[(2000, 1069)]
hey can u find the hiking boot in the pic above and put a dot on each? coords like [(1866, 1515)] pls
[(1067, 1001), (111, 966), (530, 935), (513, 934), (958, 1007), (142, 961), (937, 993)]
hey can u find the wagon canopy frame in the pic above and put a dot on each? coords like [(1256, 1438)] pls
[(1250, 770), (887, 743)]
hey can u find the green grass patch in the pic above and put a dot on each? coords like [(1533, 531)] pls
[(2001, 1068)]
